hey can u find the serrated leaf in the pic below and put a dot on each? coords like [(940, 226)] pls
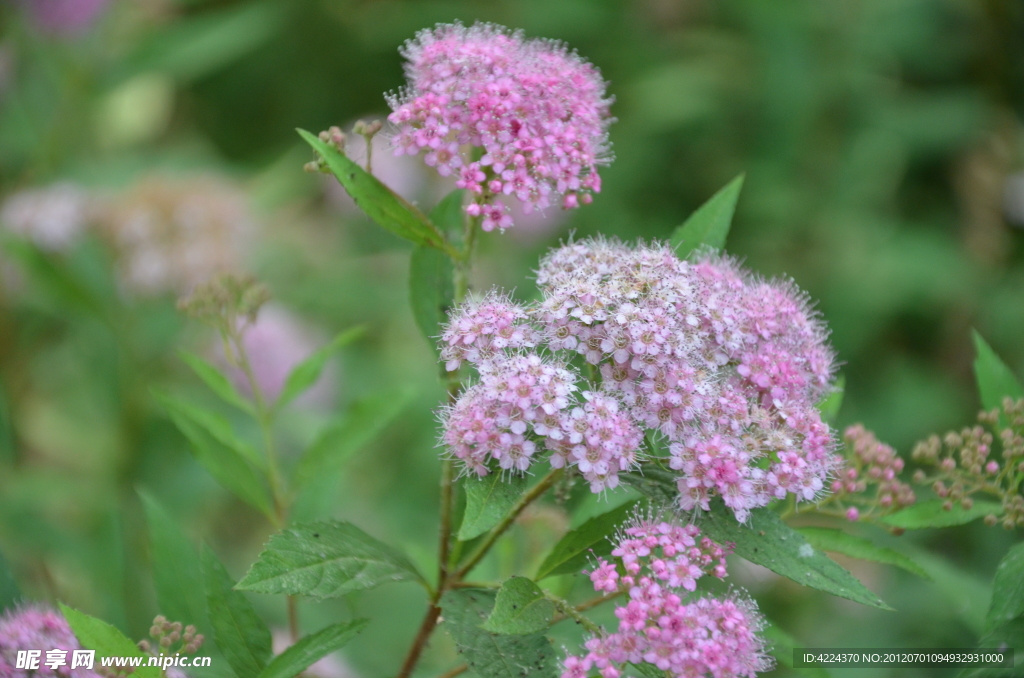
[(176, 568), (360, 424), (306, 373), (520, 609), (1007, 590), (995, 380), (106, 640), (239, 632), (311, 649), (388, 209), (488, 500), (9, 592), (769, 542), (228, 464), (326, 560), (837, 541), (589, 540), (830, 404), (931, 514), (709, 226), (491, 655), (216, 381), (431, 290)]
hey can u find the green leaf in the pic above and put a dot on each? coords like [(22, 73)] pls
[(363, 421), (217, 381), (709, 225), (95, 634), (9, 592), (239, 632), (230, 464), (431, 290), (837, 541), (931, 514), (1007, 590), (448, 214), (308, 371), (488, 500), (830, 404), (489, 654), (649, 670), (781, 646), (311, 649), (176, 568), (194, 46), (326, 560), (388, 209), (56, 281), (520, 609), (995, 380), (589, 540), (769, 542)]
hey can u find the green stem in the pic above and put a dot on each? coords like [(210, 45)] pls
[(535, 492), (568, 611)]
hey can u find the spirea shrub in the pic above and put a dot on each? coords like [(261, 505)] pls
[(727, 368), (667, 368)]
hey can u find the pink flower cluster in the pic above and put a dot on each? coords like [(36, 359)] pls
[(708, 636), (38, 628), (535, 114), (725, 366)]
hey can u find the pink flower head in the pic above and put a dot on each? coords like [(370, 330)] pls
[(717, 637), (479, 329), (535, 114), (38, 628)]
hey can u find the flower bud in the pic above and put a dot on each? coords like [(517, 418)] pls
[(852, 514), (991, 520)]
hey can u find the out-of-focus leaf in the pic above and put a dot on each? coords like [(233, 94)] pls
[(311, 649), (193, 47), (95, 634), (709, 226), (1007, 590), (176, 568), (228, 464), (830, 404), (56, 281), (217, 381), (931, 514), (308, 371), (238, 630), (388, 209), (769, 542), (326, 560), (520, 609), (6, 429), (9, 592), (492, 655), (995, 380), (589, 540), (360, 424), (488, 499), (448, 214), (781, 646), (431, 290), (837, 541)]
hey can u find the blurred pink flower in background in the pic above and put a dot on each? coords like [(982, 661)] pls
[(51, 217), (275, 344), (65, 18)]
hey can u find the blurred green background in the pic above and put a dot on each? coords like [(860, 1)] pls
[(145, 143)]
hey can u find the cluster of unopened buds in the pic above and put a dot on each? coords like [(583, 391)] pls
[(725, 367), (170, 637), (507, 116), (963, 463), (657, 563), (868, 485)]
